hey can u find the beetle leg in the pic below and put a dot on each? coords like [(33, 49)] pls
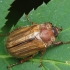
[(21, 61), (41, 56), (29, 20), (18, 28), (4, 34), (60, 42)]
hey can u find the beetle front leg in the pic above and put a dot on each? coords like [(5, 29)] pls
[(60, 43), (20, 62)]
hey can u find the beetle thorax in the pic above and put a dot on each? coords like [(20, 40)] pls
[(46, 34)]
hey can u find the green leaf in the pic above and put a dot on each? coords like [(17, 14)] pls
[(55, 58), (4, 6)]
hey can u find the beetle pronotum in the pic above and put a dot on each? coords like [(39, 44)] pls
[(25, 42)]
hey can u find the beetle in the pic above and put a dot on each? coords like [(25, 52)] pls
[(25, 42)]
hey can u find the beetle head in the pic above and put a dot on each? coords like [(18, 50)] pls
[(56, 30)]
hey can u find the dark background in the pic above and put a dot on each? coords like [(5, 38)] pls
[(17, 9)]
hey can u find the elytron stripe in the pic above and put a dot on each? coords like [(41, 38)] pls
[(26, 41)]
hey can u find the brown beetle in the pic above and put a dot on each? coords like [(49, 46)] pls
[(25, 42)]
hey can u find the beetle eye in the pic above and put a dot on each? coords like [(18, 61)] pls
[(55, 31)]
